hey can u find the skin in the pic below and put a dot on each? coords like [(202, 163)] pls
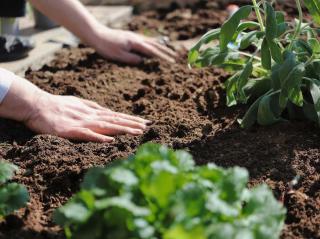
[(68, 116)]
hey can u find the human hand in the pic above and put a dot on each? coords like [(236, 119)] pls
[(125, 46), (65, 116), (74, 118)]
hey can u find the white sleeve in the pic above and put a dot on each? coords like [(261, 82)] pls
[(6, 79)]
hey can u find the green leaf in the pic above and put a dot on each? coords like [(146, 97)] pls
[(276, 52), (265, 55), (314, 9), (291, 84), (71, 213), (232, 90), (248, 39), (271, 22), (179, 231), (315, 45), (7, 171), (268, 111), (12, 197), (280, 17), (213, 56), (230, 27), (193, 56), (205, 39), (243, 80), (247, 25), (251, 115), (281, 29)]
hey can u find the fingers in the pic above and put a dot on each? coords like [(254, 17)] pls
[(128, 117), (85, 134), (129, 58), (149, 49), (93, 105), (124, 122), (163, 48), (102, 127)]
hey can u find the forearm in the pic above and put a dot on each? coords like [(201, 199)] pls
[(18, 103), (72, 15)]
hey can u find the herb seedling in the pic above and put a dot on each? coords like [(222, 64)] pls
[(281, 74), (160, 193), (12, 195)]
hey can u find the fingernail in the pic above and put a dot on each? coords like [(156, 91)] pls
[(108, 140), (149, 122)]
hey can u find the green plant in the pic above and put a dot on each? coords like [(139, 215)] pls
[(160, 193), (282, 74), (12, 195)]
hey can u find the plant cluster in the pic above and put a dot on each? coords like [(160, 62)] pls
[(13, 196), (160, 193), (276, 62)]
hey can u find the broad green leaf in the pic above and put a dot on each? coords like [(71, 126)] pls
[(271, 23), (247, 25), (232, 90), (193, 56), (213, 56), (290, 86), (280, 17), (315, 45), (13, 196), (276, 52), (265, 55), (243, 80), (248, 39), (7, 171), (179, 231), (229, 28), (315, 94), (251, 115), (281, 29), (301, 46), (206, 38), (314, 8), (71, 213), (268, 111)]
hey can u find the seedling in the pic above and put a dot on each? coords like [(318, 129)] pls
[(276, 63), (160, 193), (12, 195)]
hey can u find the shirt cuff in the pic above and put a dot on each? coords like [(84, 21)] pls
[(6, 79)]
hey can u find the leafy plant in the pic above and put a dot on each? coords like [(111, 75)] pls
[(160, 193), (282, 73), (12, 195)]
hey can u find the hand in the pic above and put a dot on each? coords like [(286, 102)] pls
[(124, 46), (74, 118), (65, 116)]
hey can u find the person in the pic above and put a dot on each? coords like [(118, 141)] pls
[(68, 116)]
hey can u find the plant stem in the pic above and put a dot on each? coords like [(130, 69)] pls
[(298, 29), (249, 55), (257, 10)]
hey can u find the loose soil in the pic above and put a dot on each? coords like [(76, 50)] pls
[(189, 112), (186, 23)]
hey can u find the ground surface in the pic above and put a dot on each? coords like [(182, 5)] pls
[(188, 110)]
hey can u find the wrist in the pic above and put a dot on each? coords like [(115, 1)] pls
[(21, 100)]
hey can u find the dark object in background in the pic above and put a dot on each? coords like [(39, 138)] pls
[(12, 8), (14, 48)]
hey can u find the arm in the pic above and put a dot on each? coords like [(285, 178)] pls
[(113, 44), (64, 116)]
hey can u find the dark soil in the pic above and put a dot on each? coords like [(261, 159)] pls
[(188, 110), (186, 23)]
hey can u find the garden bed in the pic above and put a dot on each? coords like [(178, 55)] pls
[(188, 110)]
